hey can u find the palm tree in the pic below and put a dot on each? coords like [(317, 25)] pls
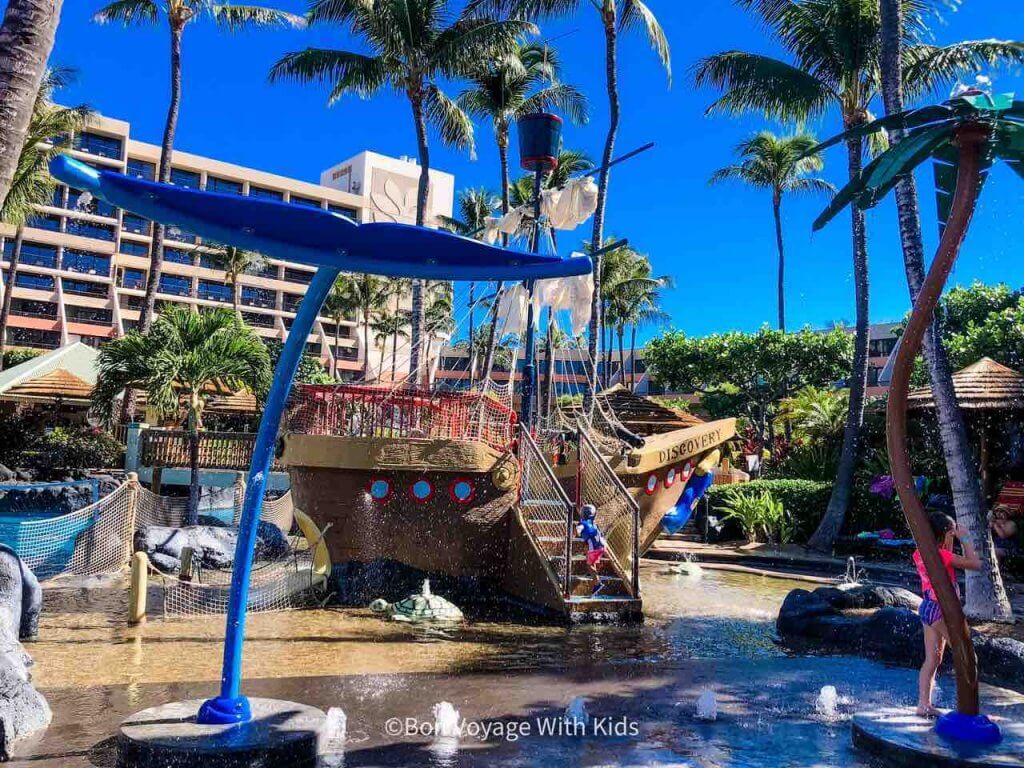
[(26, 39), (390, 325), (506, 88), (32, 184), (968, 497), (833, 48), (184, 359), (236, 262), (340, 304), (643, 309), (616, 17), (178, 14), (438, 320), (369, 296), (779, 164), (475, 206), (630, 296), (413, 44)]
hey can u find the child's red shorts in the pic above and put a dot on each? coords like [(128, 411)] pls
[(594, 556)]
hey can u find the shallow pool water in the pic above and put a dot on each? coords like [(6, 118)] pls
[(709, 633)]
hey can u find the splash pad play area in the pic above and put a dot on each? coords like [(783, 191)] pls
[(380, 472)]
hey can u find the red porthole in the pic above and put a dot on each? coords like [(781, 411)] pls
[(670, 477), (379, 489), (421, 491), (462, 491), (652, 484)]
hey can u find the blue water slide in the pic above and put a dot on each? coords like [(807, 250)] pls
[(319, 238)]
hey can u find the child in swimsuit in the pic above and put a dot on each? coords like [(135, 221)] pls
[(588, 531), (936, 634)]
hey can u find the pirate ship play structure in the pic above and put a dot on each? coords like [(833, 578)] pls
[(449, 482)]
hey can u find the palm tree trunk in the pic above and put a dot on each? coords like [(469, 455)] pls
[(549, 369), (422, 193), (985, 594), (472, 332), (632, 358), (506, 204), (26, 39), (597, 238), (620, 332), (334, 352), (394, 357), (777, 211), (236, 296), (492, 334), (366, 345), (5, 309), (193, 463), (831, 524)]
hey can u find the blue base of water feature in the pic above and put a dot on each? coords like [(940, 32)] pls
[(972, 729), (224, 711)]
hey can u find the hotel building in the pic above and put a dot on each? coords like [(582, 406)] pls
[(84, 264)]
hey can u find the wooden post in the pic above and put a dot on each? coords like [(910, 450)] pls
[(154, 484), (137, 588)]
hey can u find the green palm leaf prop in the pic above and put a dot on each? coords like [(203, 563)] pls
[(930, 134)]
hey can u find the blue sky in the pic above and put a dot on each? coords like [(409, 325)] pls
[(718, 243)]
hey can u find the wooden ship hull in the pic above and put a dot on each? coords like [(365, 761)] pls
[(447, 486)]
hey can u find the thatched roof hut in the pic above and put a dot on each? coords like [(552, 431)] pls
[(984, 385)]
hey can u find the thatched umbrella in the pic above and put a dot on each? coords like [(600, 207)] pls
[(982, 388)]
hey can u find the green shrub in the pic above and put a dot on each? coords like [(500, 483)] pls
[(65, 449), (761, 516), (804, 501), (13, 357)]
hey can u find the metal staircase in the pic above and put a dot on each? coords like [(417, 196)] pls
[(549, 517)]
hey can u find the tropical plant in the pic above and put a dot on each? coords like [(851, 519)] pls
[(437, 318), (780, 165), (26, 39), (370, 295), (759, 515), (390, 326), (965, 136), (341, 303), (32, 184), (475, 206), (236, 262), (412, 45), (179, 364), (616, 16), (833, 49), (816, 413), (310, 371)]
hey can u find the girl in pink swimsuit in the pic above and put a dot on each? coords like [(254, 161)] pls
[(936, 634)]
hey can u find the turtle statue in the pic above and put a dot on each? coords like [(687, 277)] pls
[(425, 607)]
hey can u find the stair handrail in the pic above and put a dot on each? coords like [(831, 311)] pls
[(623, 492), (536, 457)]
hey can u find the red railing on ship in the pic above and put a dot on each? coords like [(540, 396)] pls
[(367, 411)]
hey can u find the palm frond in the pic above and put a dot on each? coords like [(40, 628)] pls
[(451, 123), (636, 14), (345, 71), (235, 17), (927, 67), (568, 99), (128, 12), (460, 47)]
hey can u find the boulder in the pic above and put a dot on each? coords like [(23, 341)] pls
[(23, 710), (6, 475), (1001, 660), (215, 544)]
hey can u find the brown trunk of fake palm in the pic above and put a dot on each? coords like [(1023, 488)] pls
[(971, 138), (5, 309), (832, 523), (26, 39), (985, 593), (777, 211), (193, 463), (597, 238), (422, 193)]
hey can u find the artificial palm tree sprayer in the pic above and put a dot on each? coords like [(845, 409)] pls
[(964, 136)]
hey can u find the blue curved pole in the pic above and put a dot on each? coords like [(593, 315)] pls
[(231, 706)]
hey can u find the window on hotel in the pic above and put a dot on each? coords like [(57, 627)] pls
[(33, 254), (95, 206), (297, 276), (85, 262), (344, 210), (182, 178), (177, 256), (136, 224), (214, 291), (35, 282), (30, 337), (257, 297), (180, 235), (141, 169), (227, 186), (83, 288), (95, 144), (134, 249), (268, 270), (133, 278), (264, 193), (93, 315), (174, 285), (132, 302), (258, 320), (89, 229), (306, 201), (291, 302), (30, 308), (52, 223)]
